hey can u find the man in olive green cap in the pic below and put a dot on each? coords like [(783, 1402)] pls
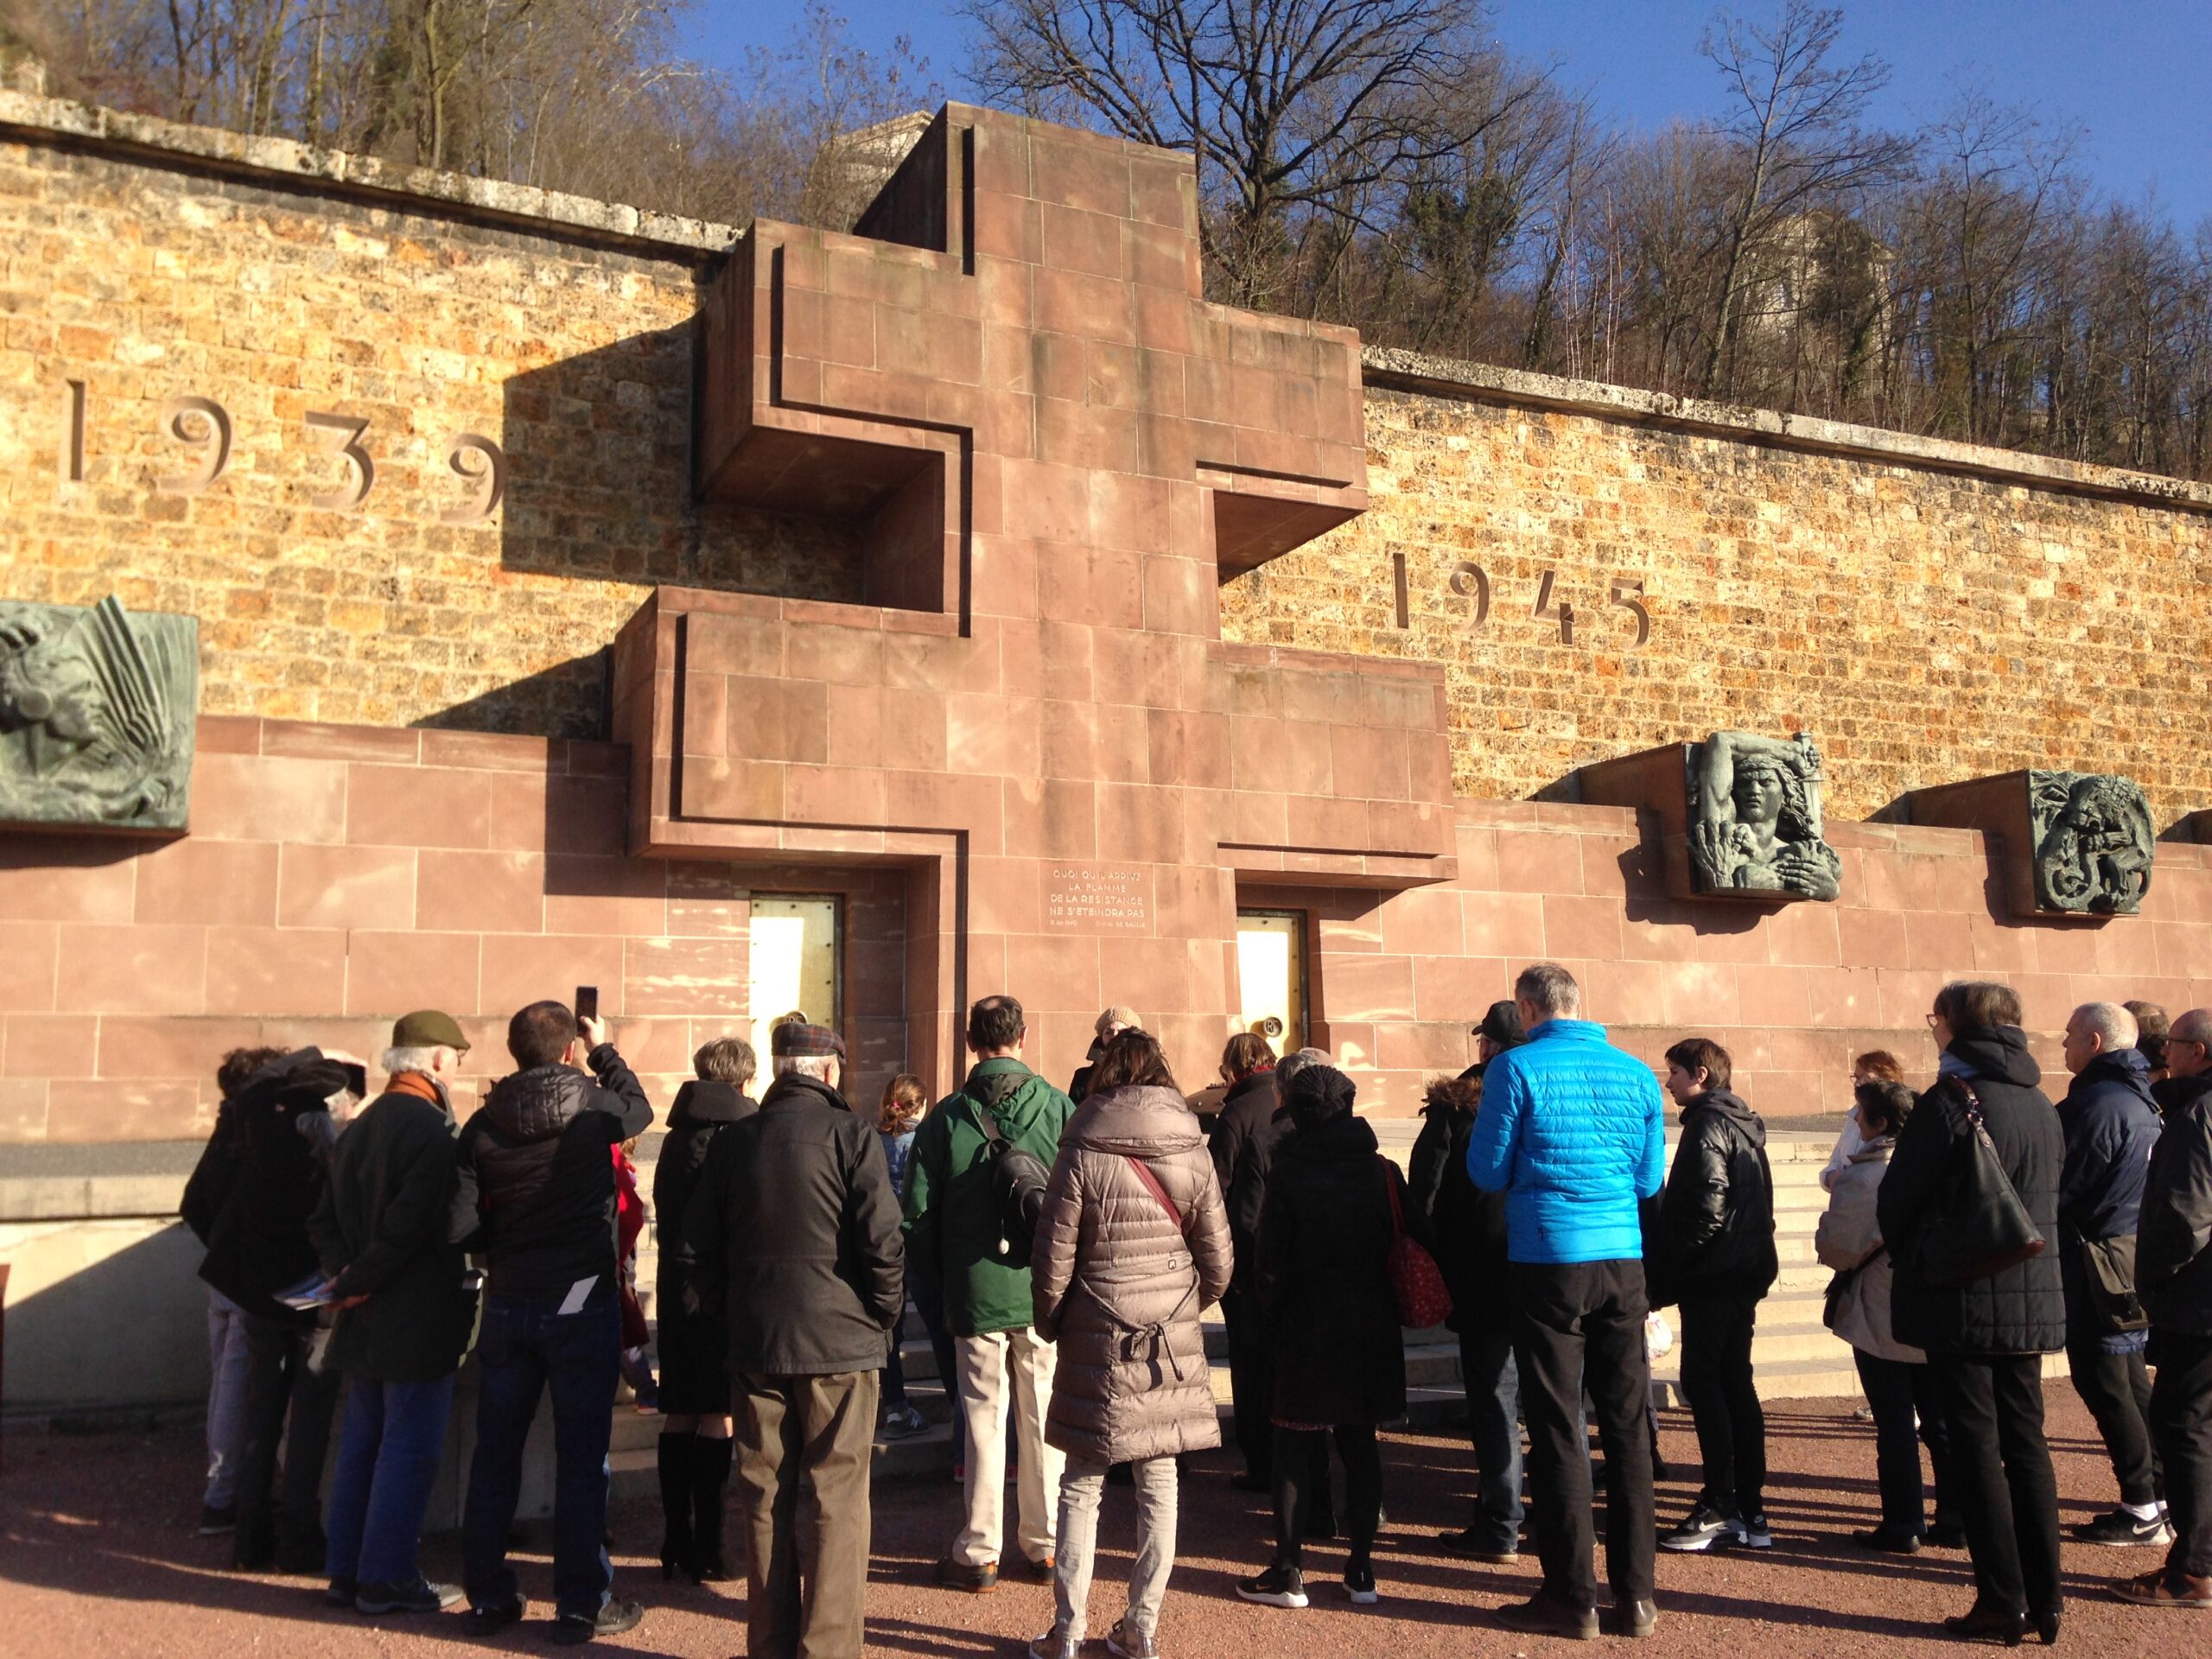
[(402, 1320)]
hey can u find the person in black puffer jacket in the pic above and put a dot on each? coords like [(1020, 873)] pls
[(534, 1197), (2173, 1277), (1987, 1338), (1322, 1287), (694, 1448), (1713, 1252), (283, 1130), (1470, 1228)]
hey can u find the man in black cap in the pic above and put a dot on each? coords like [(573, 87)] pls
[(535, 1196), (794, 1235), (1469, 1226), (402, 1318)]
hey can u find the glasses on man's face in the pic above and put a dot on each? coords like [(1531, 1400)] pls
[(1931, 1019)]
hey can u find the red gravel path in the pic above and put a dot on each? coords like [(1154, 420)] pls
[(98, 1557)]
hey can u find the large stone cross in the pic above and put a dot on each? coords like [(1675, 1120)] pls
[(1051, 452)]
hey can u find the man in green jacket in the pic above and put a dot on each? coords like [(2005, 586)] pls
[(954, 1238)]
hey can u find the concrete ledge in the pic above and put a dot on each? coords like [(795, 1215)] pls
[(281, 162), (1397, 370)]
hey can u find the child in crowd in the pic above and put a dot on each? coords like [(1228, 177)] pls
[(630, 1222), (899, 1116)]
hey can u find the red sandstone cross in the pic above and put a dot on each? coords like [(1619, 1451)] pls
[(1051, 451)]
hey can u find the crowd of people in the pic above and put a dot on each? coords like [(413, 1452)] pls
[(1060, 1248)]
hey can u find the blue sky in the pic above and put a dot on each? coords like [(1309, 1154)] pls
[(2135, 76)]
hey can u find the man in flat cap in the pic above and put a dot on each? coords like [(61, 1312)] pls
[(794, 1237), (402, 1320)]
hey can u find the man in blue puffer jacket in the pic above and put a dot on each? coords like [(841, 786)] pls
[(1572, 1130)]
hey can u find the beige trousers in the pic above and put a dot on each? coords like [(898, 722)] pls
[(1007, 1368)]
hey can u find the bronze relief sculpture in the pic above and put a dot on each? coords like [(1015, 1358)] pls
[(2092, 842), (1755, 818), (96, 716)]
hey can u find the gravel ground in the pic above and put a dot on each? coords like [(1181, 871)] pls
[(98, 1556)]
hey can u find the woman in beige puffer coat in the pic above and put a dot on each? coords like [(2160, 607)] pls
[(1132, 1245)]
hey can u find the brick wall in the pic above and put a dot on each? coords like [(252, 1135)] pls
[(1925, 626)]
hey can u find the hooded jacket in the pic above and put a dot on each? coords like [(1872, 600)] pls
[(793, 1233), (1715, 1233), (952, 1211), (534, 1190), (381, 1231), (1849, 1240), (2173, 1251), (1323, 1281), (1572, 1131), (281, 1141), (2023, 1309), (691, 1341), (1119, 1285)]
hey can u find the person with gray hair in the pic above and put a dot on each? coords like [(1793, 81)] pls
[(2174, 1276), (2112, 1125), (1572, 1131), (402, 1323)]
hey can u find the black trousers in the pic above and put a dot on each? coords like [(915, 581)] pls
[(280, 1385), (1302, 1460), (2007, 1495), (2116, 1388), (1248, 1371), (1717, 1382), (1580, 1325), (1898, 1392), (2181, 1423)]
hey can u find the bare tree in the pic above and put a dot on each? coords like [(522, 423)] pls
[(1297, 110), (1794, 121)]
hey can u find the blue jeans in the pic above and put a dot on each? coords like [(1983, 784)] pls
[(387, 1459), (524, 1344), (1493, 1385)]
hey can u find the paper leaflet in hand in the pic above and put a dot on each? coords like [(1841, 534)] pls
[(312, 1291)]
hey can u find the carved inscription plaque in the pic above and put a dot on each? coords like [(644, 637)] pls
[(1097, 899)]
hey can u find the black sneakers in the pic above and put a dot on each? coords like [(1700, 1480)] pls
[(1474, 1544), (215, 1522), (1752, 1531), (420, 1597), (1359, 1585), (2120, 1530), (1700, 1530), (573, 1629), (340, 1593), (1278, 1586), (492, 1617)]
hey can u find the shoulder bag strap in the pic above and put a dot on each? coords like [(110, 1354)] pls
[(1151, 1186), (1390, 1192)]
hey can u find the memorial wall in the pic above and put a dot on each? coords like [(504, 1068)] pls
[(563, 580)]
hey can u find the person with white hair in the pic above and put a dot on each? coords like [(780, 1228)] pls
[(2174, 1273), (2111, 1125), (403, 1323)]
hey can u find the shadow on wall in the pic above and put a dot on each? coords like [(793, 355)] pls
[(102, 1313), (599, 489)]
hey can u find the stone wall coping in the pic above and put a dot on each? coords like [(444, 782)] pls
[(515, 206), (527, 208), (1398, 370)]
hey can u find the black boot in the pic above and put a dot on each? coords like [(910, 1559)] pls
[(678, 1458), (709, 1476)]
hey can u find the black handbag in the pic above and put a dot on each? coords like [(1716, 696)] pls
[(1984, 1229)]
